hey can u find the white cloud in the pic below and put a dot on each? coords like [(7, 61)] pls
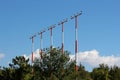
[(36, 55), (93, 58), (2, 56)]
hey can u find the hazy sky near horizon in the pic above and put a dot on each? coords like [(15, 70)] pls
[(99, 26)]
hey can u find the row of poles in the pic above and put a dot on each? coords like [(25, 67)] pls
[(75, 16)]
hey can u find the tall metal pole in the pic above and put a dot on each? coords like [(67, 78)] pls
[(51, 44), (40, 51), (76, 38), (32, 56), (51, 36), (62, 23), (32, 38)]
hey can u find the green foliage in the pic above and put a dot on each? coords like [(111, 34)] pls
[(52, 64), (55, 66), (101, 73), (114, 73), (18, 70)]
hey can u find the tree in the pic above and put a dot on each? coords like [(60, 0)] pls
[(101, 73), (20, 69), (55, 66), (114, 73), (82, 73), (0, 73), (52, 64)]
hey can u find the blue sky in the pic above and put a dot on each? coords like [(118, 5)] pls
[(98, 25)]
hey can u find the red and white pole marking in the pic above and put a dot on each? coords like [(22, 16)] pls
[(76, 41), (62, 22), (76, 38), (32, 49), (51, 36), (62, 38), (32, 57), (40, 52)]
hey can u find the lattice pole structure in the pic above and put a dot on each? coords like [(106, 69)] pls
[(76, 38), (40, 33), (51, 36), (62, 23)]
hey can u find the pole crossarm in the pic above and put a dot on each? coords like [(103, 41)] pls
[(41, 32), (51, 27), (32, 37), (62, 22), (76, 15)]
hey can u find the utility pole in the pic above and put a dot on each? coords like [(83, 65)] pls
[(51, 37), (51, 44), (40, 51), (32, 38), (32, 57), (76, 38), (62, 23)]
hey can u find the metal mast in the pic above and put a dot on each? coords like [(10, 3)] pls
[(32, 57), (76, 37), (51, 37), (62, 23), (32, 38), (40, 33)]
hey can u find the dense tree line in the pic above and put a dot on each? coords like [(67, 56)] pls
[(55, 66)]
